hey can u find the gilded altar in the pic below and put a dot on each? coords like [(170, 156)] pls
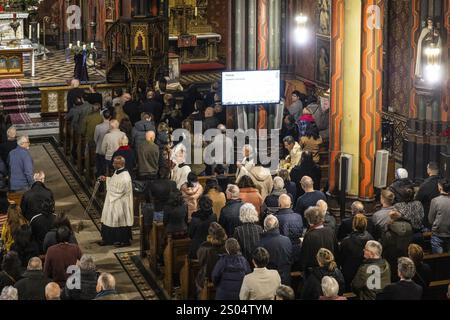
[(191, 36)]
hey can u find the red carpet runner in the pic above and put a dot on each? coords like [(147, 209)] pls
[(12, 101)]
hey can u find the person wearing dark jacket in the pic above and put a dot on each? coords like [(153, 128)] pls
[(10, 144), (11, 270), (316, 237), (372, 260), (229, 215), (309, 198), (249, 233), (106, 287), (131, 109), (406, 288), (162, 189), (24, 244), (199, 225), (401, 181), (229, 272), (424, 273), (328, 220), (50, 238), (346, 226), (152, 106), (351, 249), (396, 240), (308, 168), (20, 165), (429, 190), (140, 128), (32, 286), (175, 215), (43, 222), (209, 253), (279, 248), (312, 289), (271, 200), (32, 199), (87, 281), (290, 186)]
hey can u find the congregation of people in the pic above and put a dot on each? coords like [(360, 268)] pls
[(251, 228)]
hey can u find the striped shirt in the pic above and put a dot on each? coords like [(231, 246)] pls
[(248, 236)]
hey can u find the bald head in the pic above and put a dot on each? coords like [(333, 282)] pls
[(34, 264), (150, 136), (105, 282), (284, 201), (126, 97), (307, 184), (52, 291)]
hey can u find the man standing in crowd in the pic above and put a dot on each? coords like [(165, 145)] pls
[(310, 198), (117, 214), (9, 144), (32, 199), (110, 142), (296, 108), (99, 134), (20, 166), (148, 157), (429, 190)]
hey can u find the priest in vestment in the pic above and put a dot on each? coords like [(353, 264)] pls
[(117, 215)]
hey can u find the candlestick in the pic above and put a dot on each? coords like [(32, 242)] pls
[(92, 45), (84, 47)]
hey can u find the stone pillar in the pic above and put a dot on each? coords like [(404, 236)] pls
[(356, 99), (239, 35), (251, 34)]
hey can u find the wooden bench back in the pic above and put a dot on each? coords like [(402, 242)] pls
[(208, 292), (156, 244), (188, 275), (174, 258)]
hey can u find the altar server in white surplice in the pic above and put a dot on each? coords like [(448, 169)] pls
[(117, 215)]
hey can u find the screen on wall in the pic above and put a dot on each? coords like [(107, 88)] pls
[(250, 87)]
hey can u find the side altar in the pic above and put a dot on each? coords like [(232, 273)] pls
[(191, 36), (6, 32)]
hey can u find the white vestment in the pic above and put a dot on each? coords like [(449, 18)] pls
[(118, 206)]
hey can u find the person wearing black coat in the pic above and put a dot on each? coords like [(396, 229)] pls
[(249, 233), (312, 289), (290, 186), (279, 248), (162, 189), (88, 281), (175, 215), (32, 199), (346, 226), (131, 108), (229, 272), (24, 244), (406, 288), (42, 223), (351, 249), (316, 237), (32, 286), (229, 215), (152, 106), (429, 190), (310, 197), (401, 181), (11, 270), (9, 145), (424, 273), (307, 167), (200, 222)]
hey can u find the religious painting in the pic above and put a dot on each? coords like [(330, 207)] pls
[(139, 44), (3, 66), (14, 64), (323, 62), (324, 18)]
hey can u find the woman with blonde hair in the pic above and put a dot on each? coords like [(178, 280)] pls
[(423, 271), (312, 289), (14, 220)]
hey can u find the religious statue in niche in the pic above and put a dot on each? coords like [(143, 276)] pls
[(139, 44), (324, 13), (323, 62), (429, 38)]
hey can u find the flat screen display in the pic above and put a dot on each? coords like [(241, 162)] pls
[(251, 87)]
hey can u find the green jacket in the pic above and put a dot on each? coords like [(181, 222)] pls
[(378, 276), (88, 126)]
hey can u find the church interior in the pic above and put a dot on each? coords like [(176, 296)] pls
[(109, 110)]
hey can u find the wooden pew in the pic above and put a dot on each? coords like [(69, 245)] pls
[(208, 292), (67, 136), (439, 264), (89, 164), (188, 274), (156, 244), (72, 140), (174, 255)]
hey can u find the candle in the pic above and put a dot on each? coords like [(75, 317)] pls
[(38, 26), (29, 32), (195, 11), (84, 47), (92, 45), (78, 43), (70, 46)]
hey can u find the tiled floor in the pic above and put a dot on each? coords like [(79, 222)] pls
[(55, 70)]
